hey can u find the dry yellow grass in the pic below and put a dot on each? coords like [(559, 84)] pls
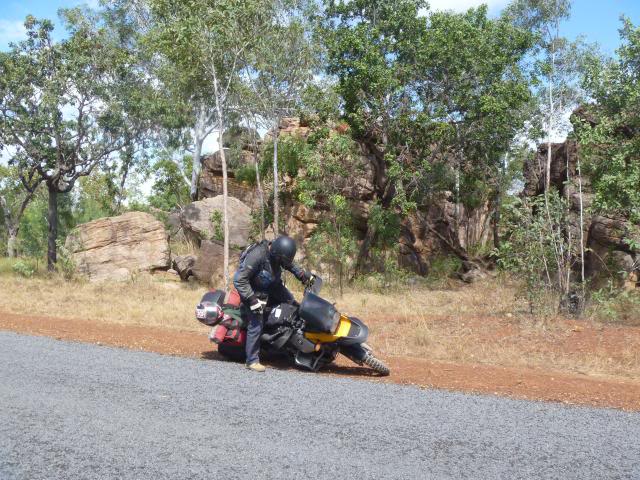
[(145, 301), (482, 323)]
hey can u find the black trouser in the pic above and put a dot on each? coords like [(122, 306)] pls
[(277, 294)]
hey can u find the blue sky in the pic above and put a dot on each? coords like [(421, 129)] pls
[(597, 20)]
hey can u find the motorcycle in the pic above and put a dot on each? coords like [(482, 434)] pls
[(312, 332)]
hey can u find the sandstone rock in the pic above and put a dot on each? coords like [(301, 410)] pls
[(292, 126), (209, 265), (609, 231), (183, 264), (210, 180), (198, 225), (115, 248)]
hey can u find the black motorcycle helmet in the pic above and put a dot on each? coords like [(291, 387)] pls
[(283, 250)]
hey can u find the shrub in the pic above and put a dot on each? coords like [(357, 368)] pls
[(24, 268)]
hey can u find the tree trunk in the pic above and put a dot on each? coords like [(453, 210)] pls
[(223, 161), (364, 254), (225, 213), (126, 166), (547, 182), (195, 171), (276, 199), (52, 218), (259, 186), (12, 240)]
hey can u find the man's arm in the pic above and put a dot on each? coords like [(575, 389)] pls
[(298, 272), (244, 274)]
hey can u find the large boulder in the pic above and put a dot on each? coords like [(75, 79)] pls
[(610, 251), (115, 248), (209, 265), (183, 265), (202, 220)]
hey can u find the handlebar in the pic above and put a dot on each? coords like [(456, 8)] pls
[(314, 285)]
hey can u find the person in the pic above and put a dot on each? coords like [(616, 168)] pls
[(258, 281)]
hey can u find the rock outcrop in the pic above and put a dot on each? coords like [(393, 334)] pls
[(116, 248), (209, 265), (437, 229), (202, 220), (608, 240), (210, 181)]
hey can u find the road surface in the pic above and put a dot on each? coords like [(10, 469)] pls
[(71, 410)]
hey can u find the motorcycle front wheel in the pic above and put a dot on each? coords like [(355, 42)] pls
[(362, 355), (376, 364)]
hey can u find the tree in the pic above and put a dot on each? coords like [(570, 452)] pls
[(56, 109), (556, 65), (211, 39), (609, 133), (15, 195), (277, 71), (427, 95), (556, 69), (169, 189)]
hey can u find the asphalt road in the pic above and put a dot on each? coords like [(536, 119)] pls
[(70, 410)]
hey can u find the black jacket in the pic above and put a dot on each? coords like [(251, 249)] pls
[(259, 274)]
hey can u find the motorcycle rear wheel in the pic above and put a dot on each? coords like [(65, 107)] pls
[(376, 364)]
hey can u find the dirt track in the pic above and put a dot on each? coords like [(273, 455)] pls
[(511, 382)]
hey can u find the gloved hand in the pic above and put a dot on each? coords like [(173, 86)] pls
[(306, 278), (256, 305)]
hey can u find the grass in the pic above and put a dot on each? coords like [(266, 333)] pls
[(480, 323)]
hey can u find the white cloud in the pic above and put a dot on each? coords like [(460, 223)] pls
[(463, 5), (11, 31)]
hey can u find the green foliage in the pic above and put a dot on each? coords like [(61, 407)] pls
[(33, 229), (610, 140), (291, 150), (436, 97), (442, 268), (216, 220), (611, 304), (96, 198), (65, 265), (170, 188), (535, 247), (246, 174), (24, 268), (386, 224)]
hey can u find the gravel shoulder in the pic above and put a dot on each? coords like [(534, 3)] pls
[(73, 410), (533, 384)]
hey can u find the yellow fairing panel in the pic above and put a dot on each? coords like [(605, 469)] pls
[(343, 330)]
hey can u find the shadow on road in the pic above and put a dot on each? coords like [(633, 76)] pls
[(282, 362)]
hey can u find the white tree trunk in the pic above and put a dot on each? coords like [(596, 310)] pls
[(276, 199), (12, 243), (195, 172), (225, 212), (225, 193), (260, 192), (199, 135), (581, 224)]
